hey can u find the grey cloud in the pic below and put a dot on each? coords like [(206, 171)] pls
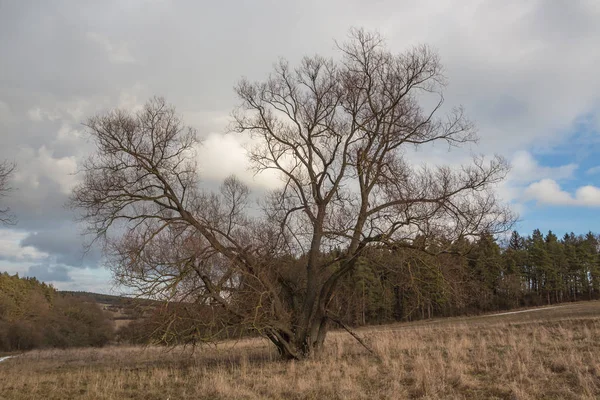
[(52, 52), (48, 273), (65, 247), (564, 20), (39, 206)]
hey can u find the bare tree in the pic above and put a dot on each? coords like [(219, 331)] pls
[(337, 132), (6, 170)]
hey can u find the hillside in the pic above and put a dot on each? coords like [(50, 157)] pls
[(542, 353), (34, 314), (121, 309)]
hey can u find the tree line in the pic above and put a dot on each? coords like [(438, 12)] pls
[(532, 270), (35, 315)]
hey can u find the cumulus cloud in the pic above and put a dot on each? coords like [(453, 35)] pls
[(37, 164), (548, 191), (222, 155), (525, 168)]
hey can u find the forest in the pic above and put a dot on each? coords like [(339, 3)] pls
[(35, 315), (525, 271)]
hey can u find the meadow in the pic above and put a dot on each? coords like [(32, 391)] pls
[(547, 353)]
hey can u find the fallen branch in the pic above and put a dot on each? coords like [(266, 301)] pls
[(354, 335)]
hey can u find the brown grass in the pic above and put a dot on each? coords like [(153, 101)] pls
[(545, 354)]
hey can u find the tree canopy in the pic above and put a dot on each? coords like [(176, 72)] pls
[(336, 132)]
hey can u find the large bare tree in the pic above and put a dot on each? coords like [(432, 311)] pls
[(6, 170), (338, 133)]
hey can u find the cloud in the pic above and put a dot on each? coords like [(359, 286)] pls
[(588, 195), (37, 115), (118, 53), (47, 273), (525, 168), (502, 75), (593, 170), (64, 246), (222, 155), (98, 281), (11, 248), (37, 164), (548, 191)]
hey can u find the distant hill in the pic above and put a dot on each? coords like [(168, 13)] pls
[(121, 309), (99, 298)]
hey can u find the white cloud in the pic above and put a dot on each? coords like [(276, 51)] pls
[(548, 191), (224, 155), (525, 169), (74, 110), (10, 248), (34, 165), (66, 133), (588, 195), (506, 63), (118, 53), (593, 170), (92, 280)]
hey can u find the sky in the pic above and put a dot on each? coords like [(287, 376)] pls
[(525, 71)]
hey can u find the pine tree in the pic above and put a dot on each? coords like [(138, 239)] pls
[(486, 267), (554, 282), (538, 261)]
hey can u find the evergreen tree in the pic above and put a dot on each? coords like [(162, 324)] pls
[(554, 282)]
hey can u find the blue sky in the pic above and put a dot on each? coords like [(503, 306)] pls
[(524, 70), (580, 147)]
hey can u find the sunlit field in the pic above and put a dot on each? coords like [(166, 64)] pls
[(551, 353)]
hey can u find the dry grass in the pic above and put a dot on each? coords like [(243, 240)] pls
[(546, 354)]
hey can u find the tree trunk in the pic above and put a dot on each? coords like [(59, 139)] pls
[(301, 346)]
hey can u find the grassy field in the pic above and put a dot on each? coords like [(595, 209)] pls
[(549, 353)]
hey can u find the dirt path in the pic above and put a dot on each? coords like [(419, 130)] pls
[(437, 321), (522, 311)]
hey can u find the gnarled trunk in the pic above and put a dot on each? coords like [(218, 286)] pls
[(301, 346)]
